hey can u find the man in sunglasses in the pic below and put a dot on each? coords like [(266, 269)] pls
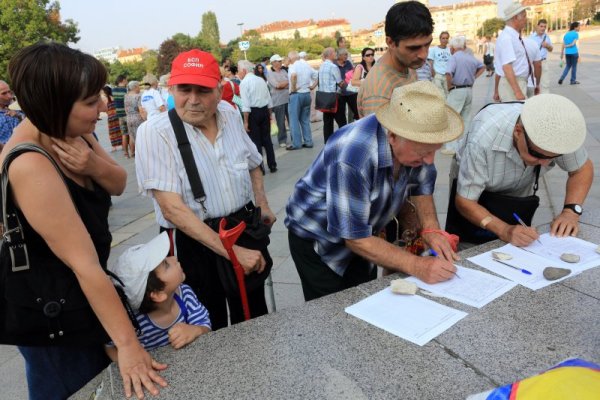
[(501, 153)]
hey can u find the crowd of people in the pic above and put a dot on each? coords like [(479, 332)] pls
[(198, 136)]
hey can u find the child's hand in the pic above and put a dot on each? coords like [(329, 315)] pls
[(182, 334)]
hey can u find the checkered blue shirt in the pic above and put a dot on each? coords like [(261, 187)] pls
[(329, 77), (349, 191), (8, 124)]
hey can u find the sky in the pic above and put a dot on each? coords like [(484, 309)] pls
[(137, 23)]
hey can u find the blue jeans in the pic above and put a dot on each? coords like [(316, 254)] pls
[(55, 372), (572, 65), (299, 109)]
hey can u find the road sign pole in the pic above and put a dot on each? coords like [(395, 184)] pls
[(245, 57)]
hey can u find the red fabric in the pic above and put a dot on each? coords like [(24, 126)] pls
[(195, 67), (227, 93), (452, 239)]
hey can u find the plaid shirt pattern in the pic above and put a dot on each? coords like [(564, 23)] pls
[(349, 192), (329, 77)]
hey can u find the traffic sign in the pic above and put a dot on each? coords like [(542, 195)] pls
[(244, 45)]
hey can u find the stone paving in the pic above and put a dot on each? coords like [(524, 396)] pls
[(132, 217)]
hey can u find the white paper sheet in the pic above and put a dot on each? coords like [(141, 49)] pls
[(553, 247), (522, 259), (474, 288), (413, 318)]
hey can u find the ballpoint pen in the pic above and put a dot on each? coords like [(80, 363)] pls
[(433, 253), (512, 266), (520, 221)]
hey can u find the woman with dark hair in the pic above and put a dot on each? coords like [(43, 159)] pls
[(64, 218), (362, 69), (259, 70), (114, 127), (571, 53)]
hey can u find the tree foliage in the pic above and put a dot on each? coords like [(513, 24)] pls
[(491, 27), (210, 33), (25, 22)]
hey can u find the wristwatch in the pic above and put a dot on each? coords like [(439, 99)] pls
[(576, 208)]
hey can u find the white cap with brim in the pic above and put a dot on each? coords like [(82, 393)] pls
[(418, 112), (134, 265), (554, 123), (514, 9)]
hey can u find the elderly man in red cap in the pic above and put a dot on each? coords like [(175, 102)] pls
[(209, 135)]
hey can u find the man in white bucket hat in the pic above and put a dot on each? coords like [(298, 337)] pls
[(511, 61), (358, 183), (504, 147)]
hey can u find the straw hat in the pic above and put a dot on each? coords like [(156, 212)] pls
[(514, 9), (553, 123), (418, 112)]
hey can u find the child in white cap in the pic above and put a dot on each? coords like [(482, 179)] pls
[(169, 311)]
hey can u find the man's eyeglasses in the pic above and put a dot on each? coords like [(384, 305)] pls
[(534, 153)]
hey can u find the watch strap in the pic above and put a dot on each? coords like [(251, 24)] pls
[(576, 208)]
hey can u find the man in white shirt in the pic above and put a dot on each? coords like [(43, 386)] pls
[(302, 79), (256, 107), (545, 46), (438, 58), (151, 101), (510, 61), (228, 167)]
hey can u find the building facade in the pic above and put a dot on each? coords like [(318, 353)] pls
[(306, 28)]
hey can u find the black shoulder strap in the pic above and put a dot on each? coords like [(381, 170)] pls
[(188, 158), (537, 177), (13, 231)]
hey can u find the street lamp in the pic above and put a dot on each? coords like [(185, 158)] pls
[(240, 24)]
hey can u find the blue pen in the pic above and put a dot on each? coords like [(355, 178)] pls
[(520, 221), (512, 266), (433, 253)]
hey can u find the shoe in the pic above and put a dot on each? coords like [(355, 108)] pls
[(308, 146), (575, 83), (273, 170), (282, 145), (290, 148), (560, 81), (448, 152), (262, 169)]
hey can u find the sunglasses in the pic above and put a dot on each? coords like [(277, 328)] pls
[(534, 153), (369, 55)]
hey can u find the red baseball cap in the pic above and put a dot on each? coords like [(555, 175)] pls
[(195, 67)]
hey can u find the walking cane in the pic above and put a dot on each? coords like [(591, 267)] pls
[(228, 238)]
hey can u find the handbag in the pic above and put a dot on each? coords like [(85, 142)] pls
[(254, 237), (41, 305), (499, 205), (326, 102)]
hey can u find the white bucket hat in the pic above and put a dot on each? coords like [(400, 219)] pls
[(514, 9), (418, 112), (554, 123), (134, 265)]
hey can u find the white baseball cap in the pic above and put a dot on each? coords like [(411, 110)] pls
[(134, 265)]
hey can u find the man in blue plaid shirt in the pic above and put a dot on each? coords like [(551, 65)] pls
[(359, 182)]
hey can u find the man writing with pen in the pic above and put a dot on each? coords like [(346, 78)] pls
[(508, 147)]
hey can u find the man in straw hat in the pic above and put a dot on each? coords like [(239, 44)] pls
[(501, 151), (358, 183), (228, 165), (511, 60)]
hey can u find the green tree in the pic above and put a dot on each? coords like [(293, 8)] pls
[(297, 35), (25, 22), (491, 26), (150, 61), (167, 51), (210, 33)]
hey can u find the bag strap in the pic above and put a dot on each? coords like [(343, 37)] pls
[(13, 234), (537, 170), (188, 158)]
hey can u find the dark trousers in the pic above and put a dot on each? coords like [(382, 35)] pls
[(260, 133), (572, 60), (198, 263), (281, 114), (350, 100), (339, 116), (56, 372), (317, 278)]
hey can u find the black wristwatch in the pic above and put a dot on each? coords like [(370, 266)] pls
[(576, 208)]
